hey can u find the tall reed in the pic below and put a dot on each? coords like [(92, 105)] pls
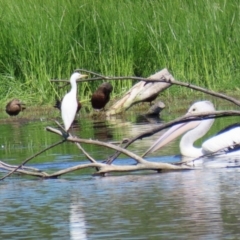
[(198, 41)]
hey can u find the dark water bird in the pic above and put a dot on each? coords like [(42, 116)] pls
[(69, 104), (14, 107), (59, 102), (101, 96)]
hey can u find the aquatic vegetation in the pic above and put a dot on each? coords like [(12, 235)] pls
[(198, 41)]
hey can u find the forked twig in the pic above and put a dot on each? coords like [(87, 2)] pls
[(99, 143), (85, 153)]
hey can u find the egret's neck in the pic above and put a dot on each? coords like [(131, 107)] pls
[(186, 144), (73, 87)]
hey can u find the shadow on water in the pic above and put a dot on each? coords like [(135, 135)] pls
[(201, 204)]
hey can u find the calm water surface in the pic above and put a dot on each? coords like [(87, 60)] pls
[(201, 204)]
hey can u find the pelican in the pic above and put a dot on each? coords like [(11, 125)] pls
[(69, 103), (101, 96), (224, 140), (14, 107)]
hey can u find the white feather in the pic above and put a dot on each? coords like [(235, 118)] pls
[(222, 141)]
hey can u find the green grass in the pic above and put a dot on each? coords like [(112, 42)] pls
[(198, 41)]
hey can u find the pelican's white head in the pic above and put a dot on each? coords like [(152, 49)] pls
[(201, 107)]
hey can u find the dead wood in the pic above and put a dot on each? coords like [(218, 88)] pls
[(155, 109), (102, 168), (141, 92), (34, 173)]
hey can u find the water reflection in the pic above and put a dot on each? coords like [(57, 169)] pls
[(201, 204), (77, 222), (191, 204), (212, 161), (102, 131), (148, 119)]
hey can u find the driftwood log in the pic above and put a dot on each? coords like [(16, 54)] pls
[(141, 92)]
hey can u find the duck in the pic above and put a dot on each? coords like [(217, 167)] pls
[(14, 107), (101, 96)]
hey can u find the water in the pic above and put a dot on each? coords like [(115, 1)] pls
[(200, 204)]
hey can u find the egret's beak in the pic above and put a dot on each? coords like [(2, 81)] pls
[(82, 76), (171, 134)]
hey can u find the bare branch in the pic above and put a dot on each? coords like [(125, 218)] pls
[(28, 159), (99, 143), (170, 79), (26, 172), (11, 167), (157, 166), (201, 89), (79, 80), (75, 168), (105, 168), (102, 168), (85, 153), (91, 72)]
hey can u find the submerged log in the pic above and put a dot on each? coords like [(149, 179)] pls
[(141, 92), (155, 109)]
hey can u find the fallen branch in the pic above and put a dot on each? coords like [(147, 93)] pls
[(102, 168), (11, 167), (25, 172), (28, 159), (105, 168), (85, 153), (99, 143)]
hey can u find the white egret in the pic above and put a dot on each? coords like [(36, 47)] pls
[(227, 139), (69, 103)]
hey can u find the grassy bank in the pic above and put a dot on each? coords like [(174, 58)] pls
[(198, 41)]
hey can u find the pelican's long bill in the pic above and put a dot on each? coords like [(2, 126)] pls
[(171, 134)]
